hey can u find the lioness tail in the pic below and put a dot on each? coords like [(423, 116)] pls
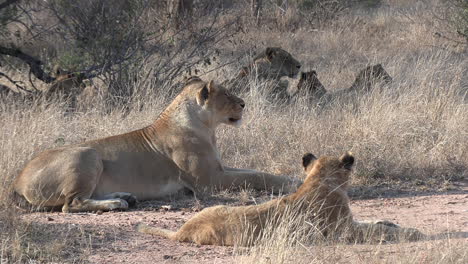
[(144, 228)]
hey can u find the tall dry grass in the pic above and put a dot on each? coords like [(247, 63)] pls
[(412, 132)]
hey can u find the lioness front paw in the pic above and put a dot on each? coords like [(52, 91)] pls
[(130, 198), (117, 203)]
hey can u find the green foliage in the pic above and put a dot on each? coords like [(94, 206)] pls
[(307, 4), (73, 60), (460, 18)]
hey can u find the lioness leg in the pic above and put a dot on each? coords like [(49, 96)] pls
[(78, 205), (257, 180), (130, 198), (65, 177)]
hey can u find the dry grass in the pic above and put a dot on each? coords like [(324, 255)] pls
[(410, 132), (293, 239)]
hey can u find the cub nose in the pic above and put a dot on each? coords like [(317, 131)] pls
[(242, 104), (298, 66)]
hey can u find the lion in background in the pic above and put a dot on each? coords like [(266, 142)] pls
[(368, 76), (322, 197), (271, 64), (310, 86), (68, 83), (177, 151)]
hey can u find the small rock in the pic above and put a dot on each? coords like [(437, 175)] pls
[(99, 212), (50, 218)]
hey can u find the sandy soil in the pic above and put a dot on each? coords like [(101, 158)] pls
[(434, 214)]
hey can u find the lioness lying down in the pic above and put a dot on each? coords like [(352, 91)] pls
[(322, 197), (309, 84), (177, 151)]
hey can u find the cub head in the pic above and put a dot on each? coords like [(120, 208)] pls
[(220, 105), (329, 169), (309, 83), (281, 62)]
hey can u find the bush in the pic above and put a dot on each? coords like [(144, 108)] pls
[(460, 19)]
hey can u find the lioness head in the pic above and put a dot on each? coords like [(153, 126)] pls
[(274, 61), (219, 104), (66, 81), (309, 83), (330, 168)]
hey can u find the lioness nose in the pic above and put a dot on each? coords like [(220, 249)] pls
[(242, 104)]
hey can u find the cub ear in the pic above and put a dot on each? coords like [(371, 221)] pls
[(348, 160), (307, 159), (270, 52)]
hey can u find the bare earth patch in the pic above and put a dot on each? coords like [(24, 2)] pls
[(114, 240)]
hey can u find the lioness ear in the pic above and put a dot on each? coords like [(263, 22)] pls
[(203, 95), (56, 70), (270, 52), (191, 79), (307, 159), (205, 92), (211, 87), (348, 160)]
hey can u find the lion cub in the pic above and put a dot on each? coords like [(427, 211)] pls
[(322, 197)]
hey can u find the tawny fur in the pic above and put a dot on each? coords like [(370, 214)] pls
[(322, 197), (177, 151), (66, 83), (271, 64)]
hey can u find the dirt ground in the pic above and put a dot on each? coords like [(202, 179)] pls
[(115, 241)]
